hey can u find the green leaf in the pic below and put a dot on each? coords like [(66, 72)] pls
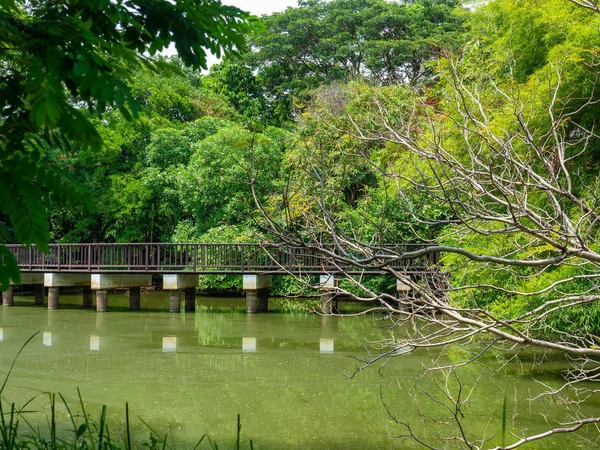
[(82, 429), (81, 68)]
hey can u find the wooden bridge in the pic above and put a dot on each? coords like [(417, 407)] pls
[(214, 259), (101, 267)]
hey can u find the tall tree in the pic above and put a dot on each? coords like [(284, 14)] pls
[(66, 61), (325, 41)]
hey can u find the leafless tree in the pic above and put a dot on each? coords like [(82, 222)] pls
[(518, 179), (588, 4)]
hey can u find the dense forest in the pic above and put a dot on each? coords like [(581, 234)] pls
[(470, 127), (308, 116)]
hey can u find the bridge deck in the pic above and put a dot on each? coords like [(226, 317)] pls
[(207, 259)]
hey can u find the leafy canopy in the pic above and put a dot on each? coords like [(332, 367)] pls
[(64, 62)]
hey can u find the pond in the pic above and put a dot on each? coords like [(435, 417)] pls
[(286, 374)]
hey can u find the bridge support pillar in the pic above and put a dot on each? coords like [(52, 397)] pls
[(257, 292), (175, 283), (39, 294), (54, 281), (102, 282), (190, 299), (87, 295), (30, 278), (329, 300), (101, 300), (135, 297), (403, 290), (175, 301), (53, 295), (8, 297)]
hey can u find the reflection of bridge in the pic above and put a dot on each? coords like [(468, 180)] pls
[(100, 267)]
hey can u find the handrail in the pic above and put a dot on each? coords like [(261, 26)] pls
[(205, 258)]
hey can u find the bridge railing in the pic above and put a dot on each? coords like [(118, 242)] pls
[(202, 258)]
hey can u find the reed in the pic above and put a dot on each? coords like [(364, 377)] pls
[(84, 432)]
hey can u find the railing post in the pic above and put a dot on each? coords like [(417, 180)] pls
[(195, 257)]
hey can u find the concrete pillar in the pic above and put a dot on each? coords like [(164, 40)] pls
[(134, 298), (39, 294), (263, 300), (257, 292), (101, 282), (101, 300), (251, 301), (53, 297), (175, 301), (403, 291), (329, 301), (190, 299), (54, 281), (8, 297), (88, 300), (173, 282), (66, 279)]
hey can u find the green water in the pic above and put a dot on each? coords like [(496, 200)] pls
[(190, 374)]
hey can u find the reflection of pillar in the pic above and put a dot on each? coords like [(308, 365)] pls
[(326, 345), (88, 300), (249, 344), (52, 316), (175, 301), (190, 299), (257, 292), (8, 297), (53, 294), (134, 298), (102, 300), (101, 321), (169, 344), (95, 342), (39, 294)]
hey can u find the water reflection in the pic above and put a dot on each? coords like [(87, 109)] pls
[(286, 393), (95, 343), (169, 344), (249, 344), (47, 339), (1, 334), (326, 345)]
